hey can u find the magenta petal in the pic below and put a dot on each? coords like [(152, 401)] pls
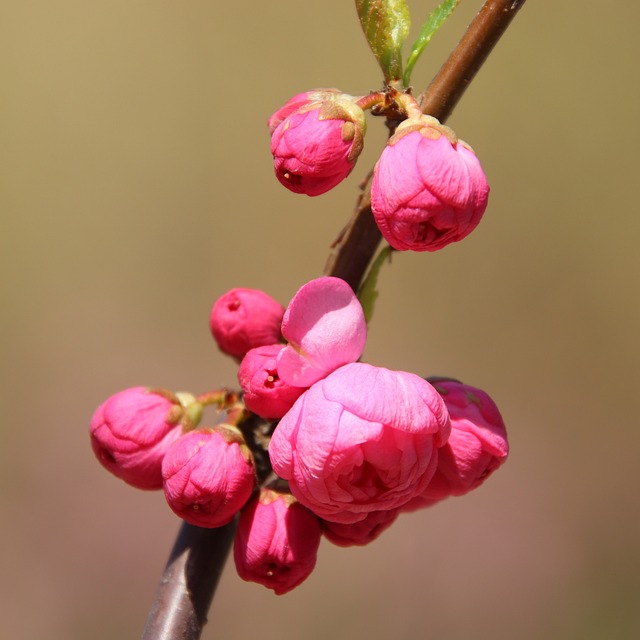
[(403, 399), (396, 179), (325, 327)]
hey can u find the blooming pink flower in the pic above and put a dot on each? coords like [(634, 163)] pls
[(476, 447), (362, 439), (359, 533), (208, 476), (265, 392), (277, 541), (316, 147), (130, 433), (243, 319), (325, 327), (428, 189), (300, 100)]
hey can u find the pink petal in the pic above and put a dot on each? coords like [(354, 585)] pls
[(396, 179), (325, 327), (402, 399)]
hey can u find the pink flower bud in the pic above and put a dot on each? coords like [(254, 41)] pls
[(265, 392), (362, 439), (325, 327), (277, 541), (130, 433), (316, 147), (208, 476), (243, 319), (359, 533), (300, 100), (428, 189), (476, 447)]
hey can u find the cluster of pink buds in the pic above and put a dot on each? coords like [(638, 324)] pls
[(358, 444), (150, 439), (428, 188), (349, 446)]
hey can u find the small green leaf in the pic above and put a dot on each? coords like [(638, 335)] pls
[(386, 25), (433, 23), (368, 292)]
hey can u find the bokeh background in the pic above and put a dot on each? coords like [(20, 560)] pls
[(137, 186)]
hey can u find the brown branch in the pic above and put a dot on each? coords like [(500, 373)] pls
[(185, 592), (455, 75), (357, 244), (184, 595)]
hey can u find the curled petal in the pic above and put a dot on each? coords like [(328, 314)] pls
[(325, 327)]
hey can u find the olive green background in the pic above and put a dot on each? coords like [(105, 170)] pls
[(137, 186)]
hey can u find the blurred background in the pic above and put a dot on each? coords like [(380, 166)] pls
[(137, 186)]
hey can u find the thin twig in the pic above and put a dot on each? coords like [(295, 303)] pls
[(184, 595), (357, 244)]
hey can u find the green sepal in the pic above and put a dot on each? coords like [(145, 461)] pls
[(429, 28), (368, 292), (386, 26)]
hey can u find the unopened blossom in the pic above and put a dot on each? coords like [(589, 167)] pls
[(316, 147), (359, 533), (264, 391), (243, 319), (300, 100), (362, 439), (132, 430), (277, 541), (428, 188), (325, 328), (208, 476), (476, 447)]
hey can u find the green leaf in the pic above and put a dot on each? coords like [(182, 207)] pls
[(368, 292), (429, 28), (386, 25)]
